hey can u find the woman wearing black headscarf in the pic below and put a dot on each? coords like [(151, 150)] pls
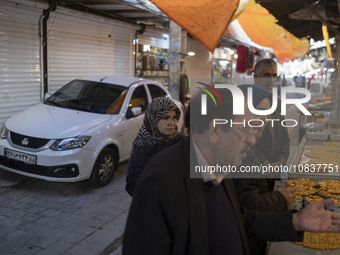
[(157, 132)]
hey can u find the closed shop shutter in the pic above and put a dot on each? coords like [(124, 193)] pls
[(199, 67), (20, 63), (123, 57), (82, 44)]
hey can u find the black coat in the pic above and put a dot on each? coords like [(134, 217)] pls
[(168, 213), (253, 194)]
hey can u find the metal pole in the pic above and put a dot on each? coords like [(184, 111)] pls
[(135, 40)]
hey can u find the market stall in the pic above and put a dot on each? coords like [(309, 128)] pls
[(323, 184), (315, 173), (311, 190)]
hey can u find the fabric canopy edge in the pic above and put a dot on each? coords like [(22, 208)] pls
[(214, 45)]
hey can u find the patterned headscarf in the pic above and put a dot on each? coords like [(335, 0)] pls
[(149, 135)]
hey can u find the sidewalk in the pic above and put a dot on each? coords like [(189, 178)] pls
[(116, 250), (49, 218), (9, 180)]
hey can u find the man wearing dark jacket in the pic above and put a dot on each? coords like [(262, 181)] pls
[(181, 208), (273, 146)]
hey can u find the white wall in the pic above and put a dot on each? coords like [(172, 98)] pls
[(198, 67)]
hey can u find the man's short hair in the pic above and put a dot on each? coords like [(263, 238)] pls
[(200, 123), (264, 62)]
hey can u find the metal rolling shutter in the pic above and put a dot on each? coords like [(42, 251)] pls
[(123, 57), (82, 44), (20, 61)]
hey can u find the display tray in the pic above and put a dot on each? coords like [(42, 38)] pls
[(326, 167), (334, 135), (320, 135), (324, 244), (309, 191), (288, 248)]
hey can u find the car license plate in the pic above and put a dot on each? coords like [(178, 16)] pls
[(23, 157)]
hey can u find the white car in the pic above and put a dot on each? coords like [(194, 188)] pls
[(82, 131)]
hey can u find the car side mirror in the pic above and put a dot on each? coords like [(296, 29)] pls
[(46, 96), (133, 112)]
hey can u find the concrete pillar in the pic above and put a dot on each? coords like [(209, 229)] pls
[(177, 53), (336, 81)]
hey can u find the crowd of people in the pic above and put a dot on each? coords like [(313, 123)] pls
[(175, 212)]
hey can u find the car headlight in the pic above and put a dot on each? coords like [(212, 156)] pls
[(3, 132), (70, 143)]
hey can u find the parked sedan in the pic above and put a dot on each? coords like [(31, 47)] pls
[(81, 132)]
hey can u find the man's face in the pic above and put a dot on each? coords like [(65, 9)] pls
[(266, 77), (235, 143)]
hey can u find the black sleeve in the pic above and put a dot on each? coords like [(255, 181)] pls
[(250, 196), (271, 226)]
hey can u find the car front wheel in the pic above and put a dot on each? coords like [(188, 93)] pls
[(104, 168)]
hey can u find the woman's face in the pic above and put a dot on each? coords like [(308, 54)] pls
[(167, 123), (263, 105)]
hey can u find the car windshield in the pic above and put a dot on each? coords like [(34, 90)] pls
[(89, 96)]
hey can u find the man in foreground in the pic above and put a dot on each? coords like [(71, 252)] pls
[(180, 210)]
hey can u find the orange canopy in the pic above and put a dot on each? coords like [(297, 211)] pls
[(262, 29), (205, 20)]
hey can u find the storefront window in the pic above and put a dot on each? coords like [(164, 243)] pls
[(152, 63)]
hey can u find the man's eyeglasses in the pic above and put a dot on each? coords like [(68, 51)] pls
[(249, 134), (270, 75), (169, 118)]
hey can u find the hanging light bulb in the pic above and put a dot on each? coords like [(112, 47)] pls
[(191, 53)]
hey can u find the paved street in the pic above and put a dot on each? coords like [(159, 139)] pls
[(39, 217)]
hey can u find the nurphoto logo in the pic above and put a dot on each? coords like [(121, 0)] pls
[(238, 99), (204, 97)]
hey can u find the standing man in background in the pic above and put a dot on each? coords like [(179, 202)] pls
[(273, 146)]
